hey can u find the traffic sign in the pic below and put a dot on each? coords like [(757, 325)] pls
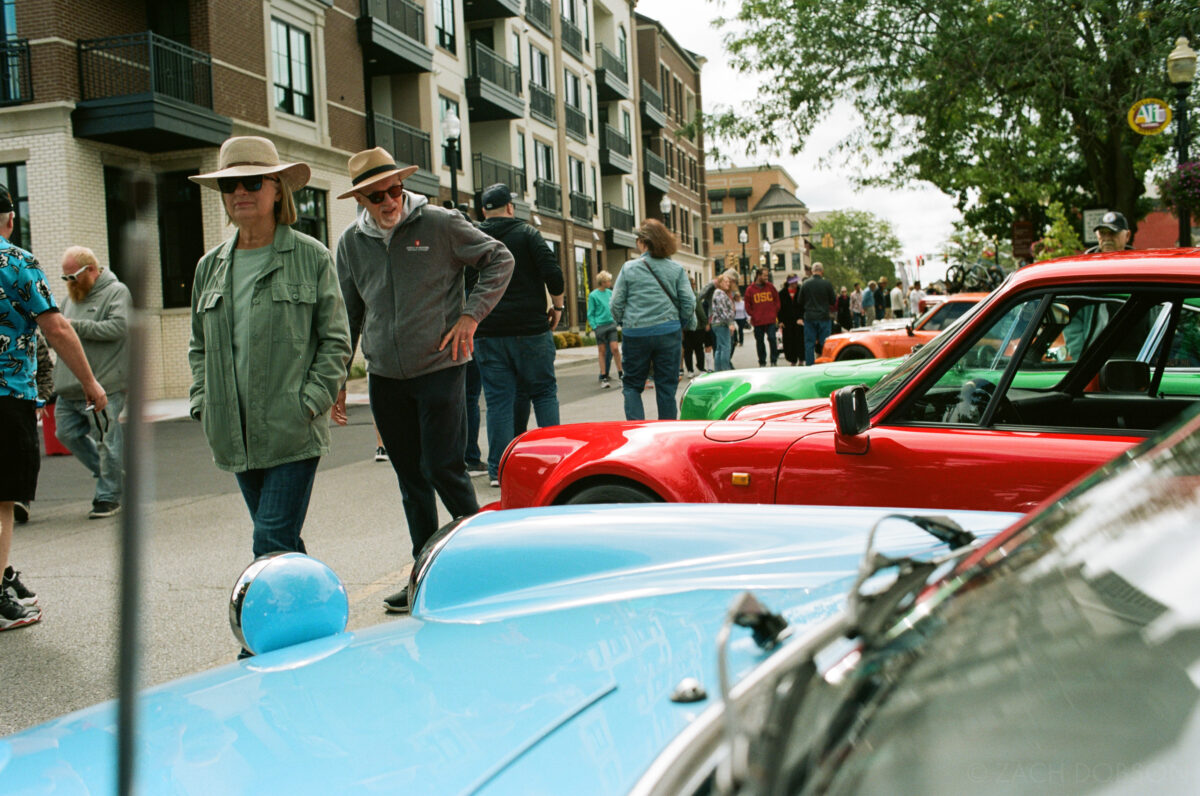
[(1149, 116)]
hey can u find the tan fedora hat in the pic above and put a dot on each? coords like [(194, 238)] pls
[(371, 166), (250, 155)]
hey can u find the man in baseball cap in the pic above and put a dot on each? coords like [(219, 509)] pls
[(1113, 233)]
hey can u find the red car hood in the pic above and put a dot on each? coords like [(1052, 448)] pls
[(807, 409)]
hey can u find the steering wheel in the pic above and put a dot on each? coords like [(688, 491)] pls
[(973, 399)]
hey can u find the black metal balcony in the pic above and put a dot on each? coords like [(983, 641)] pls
[(653, 116), (489, 171), (409, 146), (480, 10), (572, 38), (583, 207), (493, 87), (548, 196), (654, 171), (541, 104), (538, 14), (576, 123), (392, 35), (616, 153), (146, 92), (612, 76), (618, 227), (16, 80)]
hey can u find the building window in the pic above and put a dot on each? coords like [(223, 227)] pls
[(292, 49), (797, 261), (795, 228), (445, 106), (539, 67), (630, 204), (718, 234), (443, 22), (543, 161), (571, 89), (591, 115), (777, 230), (716, 206), (664, 85), (781, 262), (311, 218), (516, 54), (762, 231), (741, 204), (13, 175), (623, 46), (180, 235), (520, 159), (583, 272), (627, 125), (575, 174)]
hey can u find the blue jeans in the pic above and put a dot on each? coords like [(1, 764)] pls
[(474, 390), (637, 354), (278, 501), (767, 330), (515, 370), (815, 333), (722, 347), (102, 456)]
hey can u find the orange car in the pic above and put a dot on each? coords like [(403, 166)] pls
[(887, 339)]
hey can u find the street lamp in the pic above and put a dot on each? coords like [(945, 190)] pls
[(765, 248), (743, 236), (1181, 69), (451, 133), (665, 207)]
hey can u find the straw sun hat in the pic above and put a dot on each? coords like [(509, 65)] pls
[(371, 166), (250, 155)]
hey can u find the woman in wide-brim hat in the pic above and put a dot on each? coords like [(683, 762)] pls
[(269, 344)]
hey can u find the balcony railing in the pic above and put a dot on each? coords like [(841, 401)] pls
[(406, 143), (654, 163), (489, 66), (611, 138), (610, 62), (16, 81), (541, 104), (548, 195), (617, 218), (538, 12), (489, 171), (142, 63), (403, 15), (576, 123), (572, 38), (582, 206), (651, 96)]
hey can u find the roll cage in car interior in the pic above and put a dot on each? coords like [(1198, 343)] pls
[(1007, 374)]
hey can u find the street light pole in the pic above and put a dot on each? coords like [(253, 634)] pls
[(1181, 70), (765, 248), (745, 262), (451, 134)]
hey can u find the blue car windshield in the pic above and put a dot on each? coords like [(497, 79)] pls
[(886, 387)]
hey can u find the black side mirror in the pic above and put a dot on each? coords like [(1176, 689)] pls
[(850, 410), (908, 328), (1125, 375)]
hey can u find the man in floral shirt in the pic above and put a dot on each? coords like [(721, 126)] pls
[(26, 304)]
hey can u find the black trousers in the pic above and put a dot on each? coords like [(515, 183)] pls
[(693, 348), (422, 422)]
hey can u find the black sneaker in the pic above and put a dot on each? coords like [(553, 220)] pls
[(102, 509), (476, 468), (13, 586), (381, 454), (397, 603), (13, 614), (21, 511)]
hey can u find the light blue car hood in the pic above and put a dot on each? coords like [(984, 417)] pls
[(540, 658)]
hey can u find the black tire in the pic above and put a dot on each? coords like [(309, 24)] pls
[(854, 352), (613, 493)]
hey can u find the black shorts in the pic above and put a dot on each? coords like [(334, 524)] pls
[(22, 455)]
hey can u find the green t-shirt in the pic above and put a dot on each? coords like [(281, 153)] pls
[(248, 266)]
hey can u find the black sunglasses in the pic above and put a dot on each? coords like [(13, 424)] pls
[(251, 184), (376, 197)]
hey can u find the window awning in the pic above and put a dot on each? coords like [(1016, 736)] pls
[(742, 192), (716, 193)]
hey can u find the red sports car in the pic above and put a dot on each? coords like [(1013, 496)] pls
[(1068, 364)]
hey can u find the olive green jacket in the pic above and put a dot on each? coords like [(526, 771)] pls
[(300, 346)]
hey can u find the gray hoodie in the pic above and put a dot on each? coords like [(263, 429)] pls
[(102, 322), (404, 289)]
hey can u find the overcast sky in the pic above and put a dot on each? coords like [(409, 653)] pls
[(921, 216)]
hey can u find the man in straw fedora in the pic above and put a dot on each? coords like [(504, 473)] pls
[(269, 344), (401, 265)]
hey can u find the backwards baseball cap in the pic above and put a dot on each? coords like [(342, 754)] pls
[(1112, 221), (793, 279), (496, 196), (6, 205)]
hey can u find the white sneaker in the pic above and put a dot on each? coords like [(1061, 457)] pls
[(494, 482)]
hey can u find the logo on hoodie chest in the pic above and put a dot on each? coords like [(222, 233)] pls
[(416, 246)]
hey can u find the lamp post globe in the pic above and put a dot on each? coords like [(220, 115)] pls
[(451, 134), (743, 237), (765, 248), (665, 207), (1181, 71)]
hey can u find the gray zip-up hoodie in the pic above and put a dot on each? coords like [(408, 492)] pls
[(404, 290), (101, 320)]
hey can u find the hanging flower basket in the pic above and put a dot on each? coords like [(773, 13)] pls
[(1182, 187)]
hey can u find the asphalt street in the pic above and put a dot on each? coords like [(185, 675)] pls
[(196, 543)]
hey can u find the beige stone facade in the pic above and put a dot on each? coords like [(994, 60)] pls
[(762, 201)]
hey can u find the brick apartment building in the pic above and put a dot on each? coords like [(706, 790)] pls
[(762, 202), (546, 94)]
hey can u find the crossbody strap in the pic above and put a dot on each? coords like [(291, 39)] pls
[(674, 300)]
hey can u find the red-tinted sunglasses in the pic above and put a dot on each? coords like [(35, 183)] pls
[(376, 197)]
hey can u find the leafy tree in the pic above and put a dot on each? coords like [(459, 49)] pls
[(864, 247), (999, 103), (1061, 239)]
